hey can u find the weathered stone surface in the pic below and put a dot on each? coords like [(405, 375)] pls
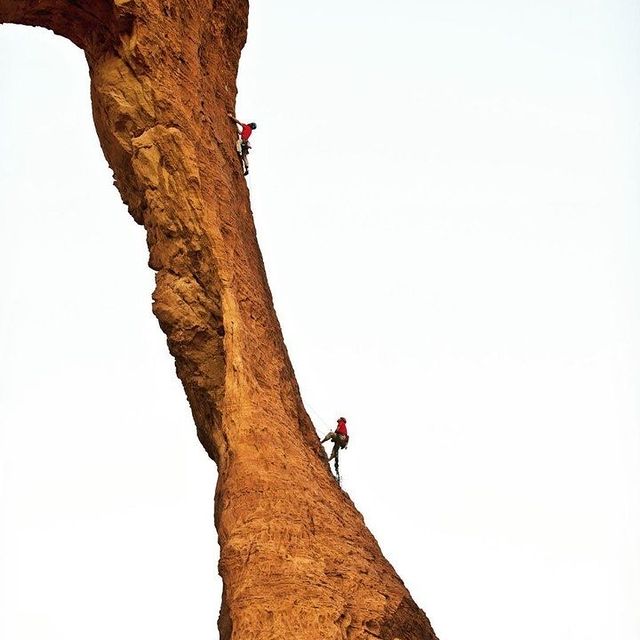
[(297, 560)]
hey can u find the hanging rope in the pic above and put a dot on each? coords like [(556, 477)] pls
[(318, 417), (337, 466)]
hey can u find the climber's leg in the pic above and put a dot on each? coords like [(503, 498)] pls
[(245, 157), (242, 154), (336, 448), (330, 436)]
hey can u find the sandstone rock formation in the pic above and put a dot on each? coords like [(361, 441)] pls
[(297, 560)]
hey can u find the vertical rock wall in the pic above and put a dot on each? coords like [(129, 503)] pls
[(297, 560)]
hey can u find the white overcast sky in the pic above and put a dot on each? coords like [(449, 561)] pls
[(447, 197)]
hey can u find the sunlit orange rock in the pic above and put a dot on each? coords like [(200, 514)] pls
[(297, 560)]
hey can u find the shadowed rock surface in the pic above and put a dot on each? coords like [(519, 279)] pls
[(297, 560)]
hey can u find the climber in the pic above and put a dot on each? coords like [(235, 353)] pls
[(243, 146), (339, 437)]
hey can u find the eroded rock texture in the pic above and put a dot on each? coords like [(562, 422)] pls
[(297, 561)]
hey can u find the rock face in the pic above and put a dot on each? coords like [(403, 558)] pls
[(297, 560)]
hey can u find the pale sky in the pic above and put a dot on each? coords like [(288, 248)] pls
[(447, 199)]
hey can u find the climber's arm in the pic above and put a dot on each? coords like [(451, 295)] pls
[(240, 124)]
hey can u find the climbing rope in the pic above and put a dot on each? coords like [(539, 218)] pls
[(323, 423), (336, 464)]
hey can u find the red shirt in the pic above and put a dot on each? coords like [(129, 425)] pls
[(342, 427), (246, 132)]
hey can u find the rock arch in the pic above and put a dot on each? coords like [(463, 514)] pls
[(297, 560)]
